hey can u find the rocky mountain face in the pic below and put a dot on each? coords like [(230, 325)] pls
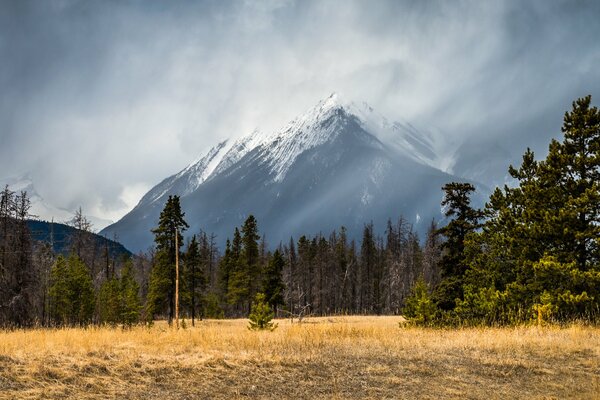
[(338, 164)]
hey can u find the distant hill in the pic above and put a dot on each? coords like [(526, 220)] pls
[(60, 236)]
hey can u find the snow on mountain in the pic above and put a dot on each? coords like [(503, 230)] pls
[(310, 130), (339, 163), (281, 148), (41, 209)]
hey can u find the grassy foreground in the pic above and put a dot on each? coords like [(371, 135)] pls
[(341, 357)]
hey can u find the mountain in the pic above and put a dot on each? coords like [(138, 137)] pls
[(59, 236), (337, 164), (43, 210)]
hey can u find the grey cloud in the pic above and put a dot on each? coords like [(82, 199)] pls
[(100, 100)]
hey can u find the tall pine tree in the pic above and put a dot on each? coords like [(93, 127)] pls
[(161, 291)]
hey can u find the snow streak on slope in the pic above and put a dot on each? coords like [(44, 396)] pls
[(280, 149), (338, 163), (310, 130)]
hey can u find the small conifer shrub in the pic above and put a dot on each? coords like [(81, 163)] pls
[(261, 314)]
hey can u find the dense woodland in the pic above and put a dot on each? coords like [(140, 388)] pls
[(532, 254)]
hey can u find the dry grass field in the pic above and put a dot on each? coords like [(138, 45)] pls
[(341, 357)]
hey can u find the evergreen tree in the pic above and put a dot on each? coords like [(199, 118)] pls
[(572, 169), (71, 292), (109, 302), (60, 292), (273, 286), (419, 307), (261, 315), (225, 269), (161, 291), (238, 283), (194, 277), (244, 279), (368, 260), (537, 254), (465, 220), (130, 297), (250, 254)]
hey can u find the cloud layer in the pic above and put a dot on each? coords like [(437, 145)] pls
[(101, 100)]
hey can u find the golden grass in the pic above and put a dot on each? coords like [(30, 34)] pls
[(340, 357)]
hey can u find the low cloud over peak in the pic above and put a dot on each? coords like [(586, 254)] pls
[(101, 100)]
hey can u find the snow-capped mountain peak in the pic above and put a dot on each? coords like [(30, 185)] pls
[(338, 163), (279, 150), (400, 136)]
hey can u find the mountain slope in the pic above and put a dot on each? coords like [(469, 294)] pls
[(59, 236), (338, 164)]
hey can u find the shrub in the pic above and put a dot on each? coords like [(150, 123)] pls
[(261, 315)]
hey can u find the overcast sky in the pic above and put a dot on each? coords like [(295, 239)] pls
[(100, 100)]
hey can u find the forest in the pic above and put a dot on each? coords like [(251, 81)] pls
[(530, 255)]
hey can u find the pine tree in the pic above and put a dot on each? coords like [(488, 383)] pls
[(419, 307), (60, 292), (250, 254), (161, 291), (537, 254), (261, 315), (129, 295), (225, 268), (238, 283), (109, 302), (19, 279), (71, 292), (368, 264), (273, 286), (244, 279), (194, 277), (572, 167), (465, 220)]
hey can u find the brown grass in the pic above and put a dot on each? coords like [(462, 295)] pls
[(349, 357)]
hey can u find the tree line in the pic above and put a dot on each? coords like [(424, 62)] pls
[(532, 253)]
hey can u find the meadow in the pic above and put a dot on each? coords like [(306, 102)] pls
[(329, 358)]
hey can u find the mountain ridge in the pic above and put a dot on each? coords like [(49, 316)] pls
[(336, 164)]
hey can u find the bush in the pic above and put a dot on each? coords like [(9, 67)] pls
[(419, 307), (261, 315)]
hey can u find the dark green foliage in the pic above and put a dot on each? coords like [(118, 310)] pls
[(194, 279), (119, 300), (537, 256), (419, 307), (261, 314), (250, 255), (453, 264), (161, 291), (273, 286), (56, 234), (244, 266), (225, 268), (465, 220), (109, 302), (369, 282), (212, 307), (72, 297), (130, 298)]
